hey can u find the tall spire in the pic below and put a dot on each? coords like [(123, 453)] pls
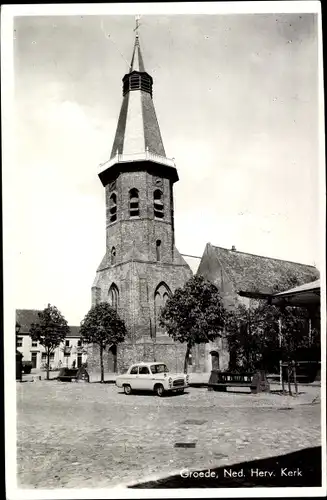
[(137, 129), (138, 136)]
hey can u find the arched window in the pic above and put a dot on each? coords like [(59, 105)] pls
[(158, 250), (114, 296), (113, 256), (165, 298), (113, 207), (158, 206), (161, 295), (134, 203)]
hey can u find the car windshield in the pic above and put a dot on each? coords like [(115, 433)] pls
[(159, 368)]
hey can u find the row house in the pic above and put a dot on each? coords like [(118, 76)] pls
[(70, 352)]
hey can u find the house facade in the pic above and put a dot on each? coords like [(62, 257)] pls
[(70, 352)]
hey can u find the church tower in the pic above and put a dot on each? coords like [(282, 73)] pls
[(141, 267)]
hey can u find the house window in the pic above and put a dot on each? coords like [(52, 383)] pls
[(114, 296), (113, 256), (158, 247), (19, 341), (79, 343), (44, 356), (113, 207), (134, 203), (67, 343), (158, 206), (34, 343)]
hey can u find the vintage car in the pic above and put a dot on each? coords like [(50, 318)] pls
[(154, 377)]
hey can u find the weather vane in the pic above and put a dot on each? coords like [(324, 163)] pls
[(137, 21)]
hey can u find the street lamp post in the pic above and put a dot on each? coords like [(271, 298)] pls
[(19, 364)]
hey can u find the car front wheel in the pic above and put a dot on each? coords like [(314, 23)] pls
[(127, 389), (159, 390)]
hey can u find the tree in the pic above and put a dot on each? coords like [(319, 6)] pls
[(194, 314), (50, 331), (253, 335), (103, 326)]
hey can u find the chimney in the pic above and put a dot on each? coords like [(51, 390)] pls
[(233, 248)]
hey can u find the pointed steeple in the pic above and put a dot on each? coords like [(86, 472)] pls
[(137, 63), (138, 136)]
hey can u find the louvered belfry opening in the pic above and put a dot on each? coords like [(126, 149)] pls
[(158, 205), (137, 81), (134, 203)]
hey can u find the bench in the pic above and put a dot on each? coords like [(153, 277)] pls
[(256, 381)]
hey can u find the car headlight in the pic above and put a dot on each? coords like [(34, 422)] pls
[(187, 379), (170, 381)]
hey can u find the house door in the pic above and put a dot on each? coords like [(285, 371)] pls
[(34, 359), (214, 360), (79, 360), (112, 358)]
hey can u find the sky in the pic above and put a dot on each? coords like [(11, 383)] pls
[(236, 98)]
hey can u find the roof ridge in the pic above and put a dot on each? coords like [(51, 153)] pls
[(265, 257)]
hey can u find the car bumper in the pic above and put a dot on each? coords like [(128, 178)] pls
[(177, 388)]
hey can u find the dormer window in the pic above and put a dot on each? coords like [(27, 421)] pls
[(113, 207), (134, 203), (158, 204)]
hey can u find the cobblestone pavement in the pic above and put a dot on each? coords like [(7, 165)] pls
[(94, 436)]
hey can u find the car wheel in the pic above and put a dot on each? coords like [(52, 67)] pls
[(127, 389), (159, 390)]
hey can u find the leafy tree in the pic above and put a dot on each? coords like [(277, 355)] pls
[(102, 326), (253, 336), (194, 314), (50, 331)]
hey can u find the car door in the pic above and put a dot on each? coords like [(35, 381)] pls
[(133, 377), (144, 378)]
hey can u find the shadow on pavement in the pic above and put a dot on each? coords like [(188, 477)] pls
[(299, 469), (172, 394)]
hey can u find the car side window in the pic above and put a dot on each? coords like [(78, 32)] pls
[(144, 370), (134, 370)]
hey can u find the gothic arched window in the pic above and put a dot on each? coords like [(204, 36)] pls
[(158, 250), (113, 256), (113, 207), (161, 295), (134, 203), (158, 206), (114, 296)]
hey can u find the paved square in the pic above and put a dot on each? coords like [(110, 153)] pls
[(94, 436)]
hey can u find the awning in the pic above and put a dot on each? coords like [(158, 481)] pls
[(306, 295)]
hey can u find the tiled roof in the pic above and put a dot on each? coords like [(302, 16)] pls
[(255, 273), (25, 317)]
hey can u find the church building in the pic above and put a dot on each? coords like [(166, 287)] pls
[(141, 267)]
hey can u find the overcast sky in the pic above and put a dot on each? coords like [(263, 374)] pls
[(237, 104)]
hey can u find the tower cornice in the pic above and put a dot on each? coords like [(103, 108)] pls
[(109, 173)]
